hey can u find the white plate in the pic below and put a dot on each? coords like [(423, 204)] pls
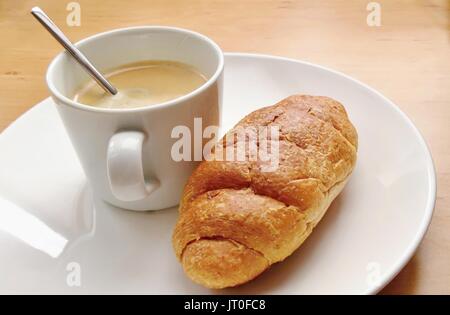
[(51, 227)]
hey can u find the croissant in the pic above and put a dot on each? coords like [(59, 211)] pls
[(235, 219)]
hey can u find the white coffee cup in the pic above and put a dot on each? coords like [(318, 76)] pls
[(126, 153)]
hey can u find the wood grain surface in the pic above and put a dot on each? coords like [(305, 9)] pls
[(407, 58)]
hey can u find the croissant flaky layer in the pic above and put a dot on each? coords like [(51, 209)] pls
[(236, 219)]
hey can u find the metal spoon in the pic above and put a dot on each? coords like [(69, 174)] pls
[(79, 57)]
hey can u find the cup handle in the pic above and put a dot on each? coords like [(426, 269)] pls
[(124, 167)]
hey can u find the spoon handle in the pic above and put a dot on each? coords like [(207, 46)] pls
[(78, 55)]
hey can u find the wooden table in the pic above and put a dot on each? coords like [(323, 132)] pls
[(407, 58)]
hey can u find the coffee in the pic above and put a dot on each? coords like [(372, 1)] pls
[(141, 84)]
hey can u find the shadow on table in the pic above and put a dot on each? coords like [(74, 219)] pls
[(406, 281)]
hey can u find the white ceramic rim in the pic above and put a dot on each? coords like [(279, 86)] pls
[(411, 249), (178, 100)]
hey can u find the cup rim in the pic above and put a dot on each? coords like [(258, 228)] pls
[(178, 100)]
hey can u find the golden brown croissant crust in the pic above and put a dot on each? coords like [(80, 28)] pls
[(236, 220)]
